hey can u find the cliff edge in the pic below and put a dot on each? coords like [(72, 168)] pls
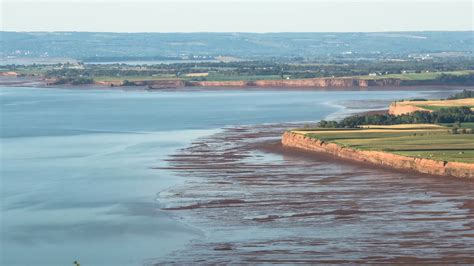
[(421, 165), (300, 83)]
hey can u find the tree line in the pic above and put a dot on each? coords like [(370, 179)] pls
[(445, 115), (462, 95), (296, 69)]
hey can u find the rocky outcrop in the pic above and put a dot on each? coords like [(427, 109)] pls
[(426, 166), (299, 83)]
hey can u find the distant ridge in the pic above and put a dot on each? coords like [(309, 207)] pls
[(365, 45)]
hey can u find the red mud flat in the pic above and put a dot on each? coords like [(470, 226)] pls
[(259, 202)]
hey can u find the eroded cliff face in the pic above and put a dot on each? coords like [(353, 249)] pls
[(426, 166), (284, 83), (309, 83), (299, 83)]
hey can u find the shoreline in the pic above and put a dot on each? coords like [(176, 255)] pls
[(265, 187), (436, 89), (277, 147), (420, 165), (323, 84)]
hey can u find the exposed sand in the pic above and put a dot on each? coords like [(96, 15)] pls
[(398, 108), (457, 102)]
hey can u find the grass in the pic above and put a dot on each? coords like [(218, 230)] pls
[(217, 77), (213, 75), (463, 125), (455, 156), (418, 76), (32, 71), (405, 126), (209, 77), (422, 142), (437, 108), (436, 105), (407, 76), (134, 78)]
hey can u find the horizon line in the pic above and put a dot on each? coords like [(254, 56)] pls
[(217, 32)]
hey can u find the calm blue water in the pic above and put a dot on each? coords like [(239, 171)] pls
[(76, 177)]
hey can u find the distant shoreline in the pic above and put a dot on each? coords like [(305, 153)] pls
[(308, 83), (321, 84)]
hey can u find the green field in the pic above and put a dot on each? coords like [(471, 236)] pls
[(463, 125), (418, 76), (134, 78), (437, 105), (239, 71), (42, 70), (437, 108), (217, 77), (437, 144), (211, 77)]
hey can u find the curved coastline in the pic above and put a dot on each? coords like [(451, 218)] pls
[(266, 188), (346, 109), (421, 165)]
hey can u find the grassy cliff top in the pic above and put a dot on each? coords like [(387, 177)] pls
[(439, 104), (418, 76), (414, 140)]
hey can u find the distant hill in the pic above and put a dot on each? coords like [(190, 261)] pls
[(91, 46)]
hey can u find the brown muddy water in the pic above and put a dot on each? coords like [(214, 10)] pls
[(257, 202)]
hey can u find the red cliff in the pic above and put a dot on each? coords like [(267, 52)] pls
[(299, 83), (426, 166)]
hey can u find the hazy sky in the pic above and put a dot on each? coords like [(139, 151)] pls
[(235, 16)]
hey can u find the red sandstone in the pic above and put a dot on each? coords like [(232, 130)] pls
[(426, 166), (299, 83)]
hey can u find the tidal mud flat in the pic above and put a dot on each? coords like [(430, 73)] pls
[(257, 202)]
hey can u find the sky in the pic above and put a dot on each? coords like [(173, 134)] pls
[(236, 16)]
